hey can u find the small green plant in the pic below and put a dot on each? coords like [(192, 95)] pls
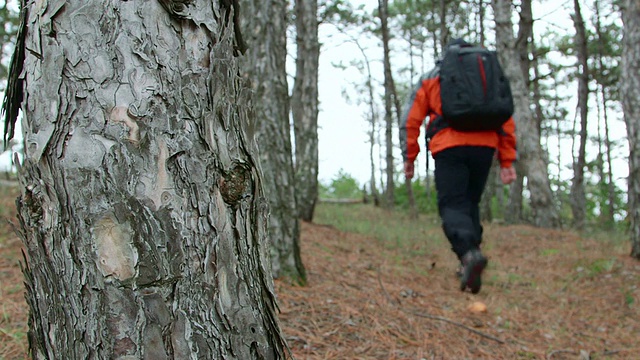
[(628, 297), (549, 252), (601, 266), (522, 354)]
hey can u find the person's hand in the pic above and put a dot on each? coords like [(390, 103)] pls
[(507, 175), (408, 169)]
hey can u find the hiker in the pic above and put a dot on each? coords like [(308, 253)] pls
[(463, 142)]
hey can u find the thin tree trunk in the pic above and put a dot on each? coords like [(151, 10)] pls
[(481, 16), (578, 197), (391, 95), (611, 195), (372, 141), (380, 157), (500, 198), (611, 186), (559, 134), (600, 163), (444, 30), (304, 106), (630, 90), (514, 213), (142, 208), (388, 104), (531, 155), (492, 188), (265, 24), (373, 121), (486, 212)]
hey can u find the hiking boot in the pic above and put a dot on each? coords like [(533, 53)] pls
[(473, 264)]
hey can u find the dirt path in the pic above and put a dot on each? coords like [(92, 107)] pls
[(549, 295)]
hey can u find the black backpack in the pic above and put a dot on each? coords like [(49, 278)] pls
[(475, 94)]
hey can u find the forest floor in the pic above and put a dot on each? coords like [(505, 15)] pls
[(382, 286), (549, 294)]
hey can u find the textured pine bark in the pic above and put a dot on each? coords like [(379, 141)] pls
[(530, 152), (630, 90), (142, 209), (264, 25), (304, 107)]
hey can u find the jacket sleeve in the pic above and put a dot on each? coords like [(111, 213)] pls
[(507, 151), (411, 121)]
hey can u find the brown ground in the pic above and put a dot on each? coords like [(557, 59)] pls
[(549, 295)]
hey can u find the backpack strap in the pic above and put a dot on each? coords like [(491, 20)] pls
[(435, 126)]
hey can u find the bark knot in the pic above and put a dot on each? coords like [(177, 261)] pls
[(235, 183), (177, 8)]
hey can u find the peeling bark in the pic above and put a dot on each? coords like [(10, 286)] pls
[(142, 210)]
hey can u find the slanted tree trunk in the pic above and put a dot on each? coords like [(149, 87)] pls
[(611, 186), (630, 90), (390, 94), (304, 106), (265, 25), (390, 198), (578, 197), (373, 121), (531, 155), (142, 210)]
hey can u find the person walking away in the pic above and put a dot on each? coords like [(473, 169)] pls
[(469, 105)]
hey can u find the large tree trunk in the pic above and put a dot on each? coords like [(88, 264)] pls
[(304, 106), (142, 207), (578, 197), (265, 25), (630, 90), (531, 155)]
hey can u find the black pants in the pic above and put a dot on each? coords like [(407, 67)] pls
[(461, 175)]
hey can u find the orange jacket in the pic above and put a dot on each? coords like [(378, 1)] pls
[(425, 101)]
